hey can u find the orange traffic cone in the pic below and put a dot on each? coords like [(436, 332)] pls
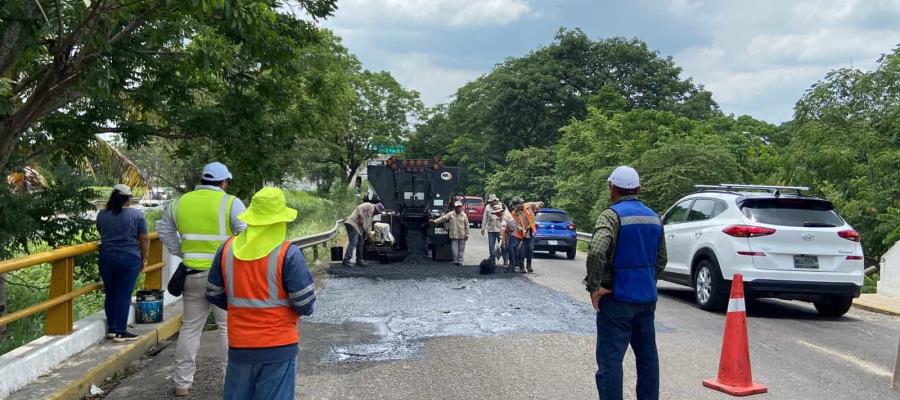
[(735, 377)]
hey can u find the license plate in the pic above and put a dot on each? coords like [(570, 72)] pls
[(806, 262), (440, 231), (552, 242)]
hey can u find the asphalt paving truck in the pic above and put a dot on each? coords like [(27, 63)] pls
[(413, 192)]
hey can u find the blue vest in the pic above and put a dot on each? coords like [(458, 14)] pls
[(634, 265)]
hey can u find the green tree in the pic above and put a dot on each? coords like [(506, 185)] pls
[(670, 172), (523, 102), (251, 105), (381, 114), (54, 54), (528, 173), (845, 143)]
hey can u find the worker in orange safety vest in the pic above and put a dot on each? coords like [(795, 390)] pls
[(264, 283)]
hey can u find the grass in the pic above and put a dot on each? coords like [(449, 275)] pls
[(870, 284), (317, 214), (31, 286)]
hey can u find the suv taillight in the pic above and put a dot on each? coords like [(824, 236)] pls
[(850, 235), (571, 227), (747, 231)]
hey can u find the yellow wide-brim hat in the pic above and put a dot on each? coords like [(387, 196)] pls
[(268, 207)]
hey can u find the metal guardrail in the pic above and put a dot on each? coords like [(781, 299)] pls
[(319, 239), (583, 236), (61, 299)]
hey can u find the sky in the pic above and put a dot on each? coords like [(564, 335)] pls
[(757, 57)]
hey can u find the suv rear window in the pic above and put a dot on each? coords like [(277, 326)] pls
[(811, 213), (551, 217)]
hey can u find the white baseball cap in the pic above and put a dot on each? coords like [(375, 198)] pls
[(625, 177), (123, 189), (216, 171), (457, 204)]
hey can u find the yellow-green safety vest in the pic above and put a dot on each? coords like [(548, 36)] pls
[(203, 218)]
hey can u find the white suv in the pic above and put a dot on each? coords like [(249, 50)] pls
[(786, 245)]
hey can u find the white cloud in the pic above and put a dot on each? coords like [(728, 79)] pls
[(455, 13), (762, 55), (420, 72), (825, 45)]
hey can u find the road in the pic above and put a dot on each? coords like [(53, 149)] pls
[(437, 331)]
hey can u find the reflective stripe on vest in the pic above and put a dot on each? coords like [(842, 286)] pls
[(634, 263), (271, 279), (203, 220)]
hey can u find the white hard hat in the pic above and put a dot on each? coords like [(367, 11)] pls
[(625, 177), (216, 171)]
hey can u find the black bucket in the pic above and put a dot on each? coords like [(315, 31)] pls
[(148, 309), (337, 253)]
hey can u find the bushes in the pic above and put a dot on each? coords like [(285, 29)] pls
[(31, 286), (317, 214), (870, 284)]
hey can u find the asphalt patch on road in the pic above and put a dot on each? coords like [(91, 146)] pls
[(392, 308)]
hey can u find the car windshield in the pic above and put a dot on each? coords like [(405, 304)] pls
[(551, 217), (810, 213)]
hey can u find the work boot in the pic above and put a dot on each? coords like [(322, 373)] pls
[(361, 264), (346, 263), (182, 392), (528, 266)]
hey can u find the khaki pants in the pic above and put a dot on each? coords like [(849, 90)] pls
[(196, 311), (458, 246)]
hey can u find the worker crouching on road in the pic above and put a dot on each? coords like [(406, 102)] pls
[(263, 282), (358, 225), (458, 228), (524, 235), (193, 227), (626, 253)]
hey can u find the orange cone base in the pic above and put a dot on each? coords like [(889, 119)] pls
[(755, 388)]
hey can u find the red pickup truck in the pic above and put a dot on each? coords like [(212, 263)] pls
[(474, 209)]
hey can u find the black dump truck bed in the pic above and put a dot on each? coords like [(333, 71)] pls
[(413, 192)]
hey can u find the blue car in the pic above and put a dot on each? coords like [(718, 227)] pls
[(555, 232)]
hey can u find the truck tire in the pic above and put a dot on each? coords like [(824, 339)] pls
[(833, 306)]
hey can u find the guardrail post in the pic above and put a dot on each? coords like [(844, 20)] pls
[(315, 252), (153, 279), (60, 317)]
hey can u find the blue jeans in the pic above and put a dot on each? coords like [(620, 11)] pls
[(493, 238), (526, 252), (269, 381), (618, 324), (355, 241), (119, 272), (512, 247)]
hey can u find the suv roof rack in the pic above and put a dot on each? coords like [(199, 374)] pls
[(731, 187)]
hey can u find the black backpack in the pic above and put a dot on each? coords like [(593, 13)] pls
[(487, 266)]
